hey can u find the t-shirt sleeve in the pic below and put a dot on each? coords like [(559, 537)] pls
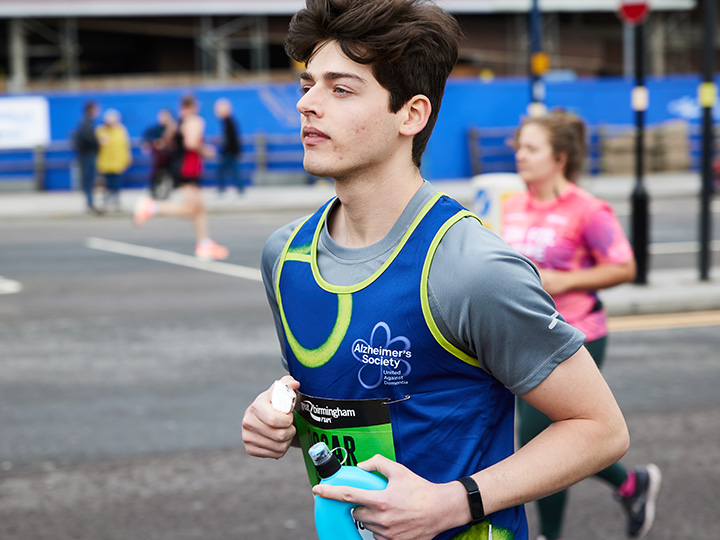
[(488, 301), (604, 237), (272, 250)]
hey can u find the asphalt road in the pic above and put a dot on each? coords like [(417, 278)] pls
[(123, 381)]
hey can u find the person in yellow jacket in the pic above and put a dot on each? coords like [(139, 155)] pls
[(114, 156)]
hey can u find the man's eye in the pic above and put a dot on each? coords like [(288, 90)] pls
[(339, 90)]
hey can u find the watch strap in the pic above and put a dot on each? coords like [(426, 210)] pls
[(477, 511)]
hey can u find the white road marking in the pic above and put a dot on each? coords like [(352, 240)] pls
[(9, 286), (171, 257)]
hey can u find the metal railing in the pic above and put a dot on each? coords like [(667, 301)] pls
[(490, 149), (264, 156)]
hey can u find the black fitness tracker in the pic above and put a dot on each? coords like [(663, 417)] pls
[(477, 512)]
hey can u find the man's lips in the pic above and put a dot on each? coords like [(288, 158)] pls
[(313, 136)]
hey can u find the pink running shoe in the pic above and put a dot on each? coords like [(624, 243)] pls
[(208, 250), (144, 210)]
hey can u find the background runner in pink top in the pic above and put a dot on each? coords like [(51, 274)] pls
[(573, 231), (579, 248)]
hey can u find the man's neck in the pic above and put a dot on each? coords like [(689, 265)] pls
[(369, 207)]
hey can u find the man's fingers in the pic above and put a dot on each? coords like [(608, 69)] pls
[(261, 413), (381, 464), (273, 445), (265, 431), (360, 497), (363, 497), (262, 451), (364, 515), (292, 383), (278, 431)]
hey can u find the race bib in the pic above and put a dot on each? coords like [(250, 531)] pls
[(355, 430)]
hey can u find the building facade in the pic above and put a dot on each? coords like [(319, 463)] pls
[(50, 44)]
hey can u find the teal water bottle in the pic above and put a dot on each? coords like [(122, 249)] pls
[(333, 519)]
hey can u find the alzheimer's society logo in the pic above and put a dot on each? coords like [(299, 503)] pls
[(384, 358)]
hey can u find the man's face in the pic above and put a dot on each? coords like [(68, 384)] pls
[(347, 127)]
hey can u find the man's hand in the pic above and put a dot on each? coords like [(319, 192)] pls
[(267, 432), (409, 508)]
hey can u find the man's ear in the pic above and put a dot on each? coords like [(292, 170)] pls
[(416, 115)]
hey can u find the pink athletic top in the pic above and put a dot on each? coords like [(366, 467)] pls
[(574, 231)]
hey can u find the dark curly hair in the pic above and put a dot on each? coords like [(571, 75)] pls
[(411, 45)]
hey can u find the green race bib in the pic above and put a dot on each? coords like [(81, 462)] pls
[(355, 429)]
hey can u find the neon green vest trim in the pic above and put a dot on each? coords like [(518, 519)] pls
[(319, 356), (312, 357), (429, 320), (359, 286)]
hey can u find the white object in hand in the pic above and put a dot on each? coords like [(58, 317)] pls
[(283, 398)]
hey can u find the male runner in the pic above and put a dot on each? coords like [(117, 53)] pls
[(406, 326)]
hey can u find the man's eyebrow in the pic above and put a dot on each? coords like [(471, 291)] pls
[(332, 75)]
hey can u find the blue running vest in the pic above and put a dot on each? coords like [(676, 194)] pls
[(376, 375)]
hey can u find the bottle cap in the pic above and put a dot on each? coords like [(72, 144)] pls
[(325, 461), (282, 398)]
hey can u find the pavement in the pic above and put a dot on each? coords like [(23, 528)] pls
[(667, 291)]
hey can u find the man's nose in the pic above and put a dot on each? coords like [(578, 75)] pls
[(308, 103)]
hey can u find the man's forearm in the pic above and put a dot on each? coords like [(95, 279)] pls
[(562, 455)]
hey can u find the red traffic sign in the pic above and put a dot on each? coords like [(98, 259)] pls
[(634, 11)]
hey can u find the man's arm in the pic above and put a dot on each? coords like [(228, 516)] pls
[(588, 434)]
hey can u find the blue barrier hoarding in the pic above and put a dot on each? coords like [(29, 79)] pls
[(270, 108)]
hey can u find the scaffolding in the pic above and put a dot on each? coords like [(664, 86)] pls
[(216, 42), (47, 51), (59, 46)]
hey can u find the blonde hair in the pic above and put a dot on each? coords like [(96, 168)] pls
[(111, 116)]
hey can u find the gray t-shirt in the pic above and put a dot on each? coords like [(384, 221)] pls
[(486, 299)]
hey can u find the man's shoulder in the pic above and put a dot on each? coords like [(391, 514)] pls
[(277, 240), (469, 233), (473, 254)]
